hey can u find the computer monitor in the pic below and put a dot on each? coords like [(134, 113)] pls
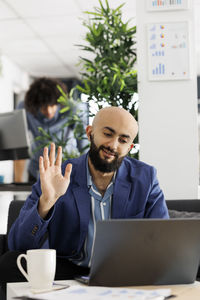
[(14, 139)]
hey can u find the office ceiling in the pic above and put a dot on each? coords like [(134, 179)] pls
[(40, 35)]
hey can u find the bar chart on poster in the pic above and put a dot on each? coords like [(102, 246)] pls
[(168, 51), (167, 4)]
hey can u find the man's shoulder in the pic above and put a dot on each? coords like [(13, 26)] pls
[(78, 162), (79, 173), (135, 163), (136, 169)]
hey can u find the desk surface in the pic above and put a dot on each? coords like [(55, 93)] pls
[(182, 291), (12, 187)]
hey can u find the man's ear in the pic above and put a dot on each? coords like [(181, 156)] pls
[(88, 131)]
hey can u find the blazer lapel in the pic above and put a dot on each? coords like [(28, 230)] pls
[(121, 193), (120, 198), (82, 198), (81, 195)]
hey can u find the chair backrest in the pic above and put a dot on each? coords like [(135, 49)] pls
[(13, 212), (192, 205), (189, 205)]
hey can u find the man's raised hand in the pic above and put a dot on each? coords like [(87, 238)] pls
[(53, 183)]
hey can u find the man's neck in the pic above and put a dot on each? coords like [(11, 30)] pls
[(100, 179)]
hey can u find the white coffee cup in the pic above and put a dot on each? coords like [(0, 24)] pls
[(41, 267)]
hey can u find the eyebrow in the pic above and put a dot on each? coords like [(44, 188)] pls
[(113, 131)]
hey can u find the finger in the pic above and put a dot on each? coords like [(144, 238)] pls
[(46, 158), (59, 157), (52, 154), (41, 165), (68, 171)]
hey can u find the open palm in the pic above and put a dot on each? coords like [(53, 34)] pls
[(53, 183)]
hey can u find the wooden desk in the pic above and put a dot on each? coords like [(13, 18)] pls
[(182, 292)]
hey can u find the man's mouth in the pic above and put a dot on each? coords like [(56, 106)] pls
[(108, 153)]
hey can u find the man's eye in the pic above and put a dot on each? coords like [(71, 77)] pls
[(123, 141), (107, 134)]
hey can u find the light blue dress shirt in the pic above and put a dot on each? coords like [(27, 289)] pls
[(100, 210)]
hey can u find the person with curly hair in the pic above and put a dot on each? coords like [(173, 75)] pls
[(42, 110)]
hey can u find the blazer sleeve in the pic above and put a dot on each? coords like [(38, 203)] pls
[(29, 229)]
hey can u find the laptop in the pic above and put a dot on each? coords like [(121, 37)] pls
[(145, 252)]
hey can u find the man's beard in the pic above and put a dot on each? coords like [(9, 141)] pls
[(100, 164)]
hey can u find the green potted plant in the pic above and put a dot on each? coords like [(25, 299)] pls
[(110, 77)]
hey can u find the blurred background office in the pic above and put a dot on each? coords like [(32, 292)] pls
[(39, 38)]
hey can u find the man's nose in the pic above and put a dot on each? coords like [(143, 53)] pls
[(113, 144)]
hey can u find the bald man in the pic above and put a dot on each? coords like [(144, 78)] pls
[(70, 198)]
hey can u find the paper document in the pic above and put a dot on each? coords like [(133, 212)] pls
[(78, 292)]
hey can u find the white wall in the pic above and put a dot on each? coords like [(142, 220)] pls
[(168, 114), (12, 79), (198, 64)]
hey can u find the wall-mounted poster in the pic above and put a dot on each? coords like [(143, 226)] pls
[(157, 5), (168, 51)]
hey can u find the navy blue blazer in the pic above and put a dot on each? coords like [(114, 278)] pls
[(137, 194)]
